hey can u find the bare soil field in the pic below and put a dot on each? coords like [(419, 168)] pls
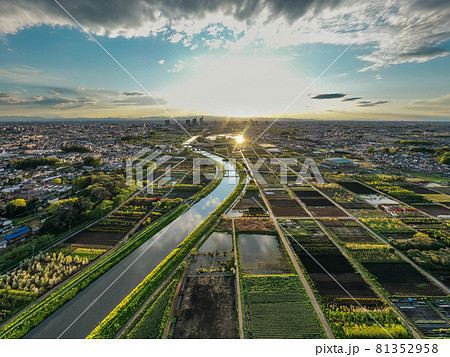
[(307, 194), (357, 188), (435, 210), (207, 309), (403, 279), (95, 240), (280, 202), (289, 211), (317, 202), (327, 212)]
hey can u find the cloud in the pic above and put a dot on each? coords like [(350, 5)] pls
[(411, 31), (25, 75), (132, 94), (350, 99), (6, 98), (54, 102), (367, 103), (329, 96), (161, 61), (439, 105)]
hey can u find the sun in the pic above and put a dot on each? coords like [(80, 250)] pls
[(239, 139)]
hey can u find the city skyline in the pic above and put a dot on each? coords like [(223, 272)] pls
[(236, 59)]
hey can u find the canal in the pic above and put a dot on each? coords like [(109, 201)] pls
[(79, 316)]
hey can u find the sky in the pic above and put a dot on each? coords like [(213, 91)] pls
[(309, 59)]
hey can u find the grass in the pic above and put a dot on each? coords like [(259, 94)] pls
[(151, 322), (278, 307)]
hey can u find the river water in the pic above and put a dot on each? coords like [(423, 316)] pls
[(78, 317)]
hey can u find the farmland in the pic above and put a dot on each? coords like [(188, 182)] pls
[(318, 255), (278, 307), (365, 322), (262, 254), (317, 204), (207, 308), (429, 315)]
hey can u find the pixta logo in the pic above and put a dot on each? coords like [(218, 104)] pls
[(308, 166), (152, 161)]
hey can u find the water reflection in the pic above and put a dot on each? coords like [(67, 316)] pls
[(262, 254), (78, 317), (217, 241)]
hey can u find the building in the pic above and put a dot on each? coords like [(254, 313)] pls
[(194, 122), (5, 224), (19, 233), (167, 122), (2, 244), (338, 162), (188, 122), (202, 122)]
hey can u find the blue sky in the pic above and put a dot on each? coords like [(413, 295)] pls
[(226, 61)]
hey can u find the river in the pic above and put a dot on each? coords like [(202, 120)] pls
[(79, 316)]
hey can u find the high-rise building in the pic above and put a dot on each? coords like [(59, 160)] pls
[(188, 122), (201, 120), (194, 122), (167, 122)]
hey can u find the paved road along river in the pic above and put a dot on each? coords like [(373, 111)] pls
[(78, 317)]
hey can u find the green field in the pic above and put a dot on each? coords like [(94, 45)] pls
[(278, 307)]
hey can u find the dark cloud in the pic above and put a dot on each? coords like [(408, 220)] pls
[(426, 52), (329, 96), (46, 101), (366, 103), (6, 98), (350, 99), (132, 94), (411, 31)]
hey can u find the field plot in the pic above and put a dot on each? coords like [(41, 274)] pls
[(325, 255), (108, 232), (39, 274), (442, 189), (95, 239), (206, 308), (277, 307), (217, 241), (254, 224), (349, 232), (286, 207), (402, 279), (357, 188), (355, 322), (434, 210), (262, 254), (317, 204), (428, 315), (348, 200)]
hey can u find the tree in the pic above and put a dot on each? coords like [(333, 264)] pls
[(92, 161), (371, 150), (101, 194), (16, 207)]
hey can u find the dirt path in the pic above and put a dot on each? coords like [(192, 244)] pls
[(238, 284), (308, 289)]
